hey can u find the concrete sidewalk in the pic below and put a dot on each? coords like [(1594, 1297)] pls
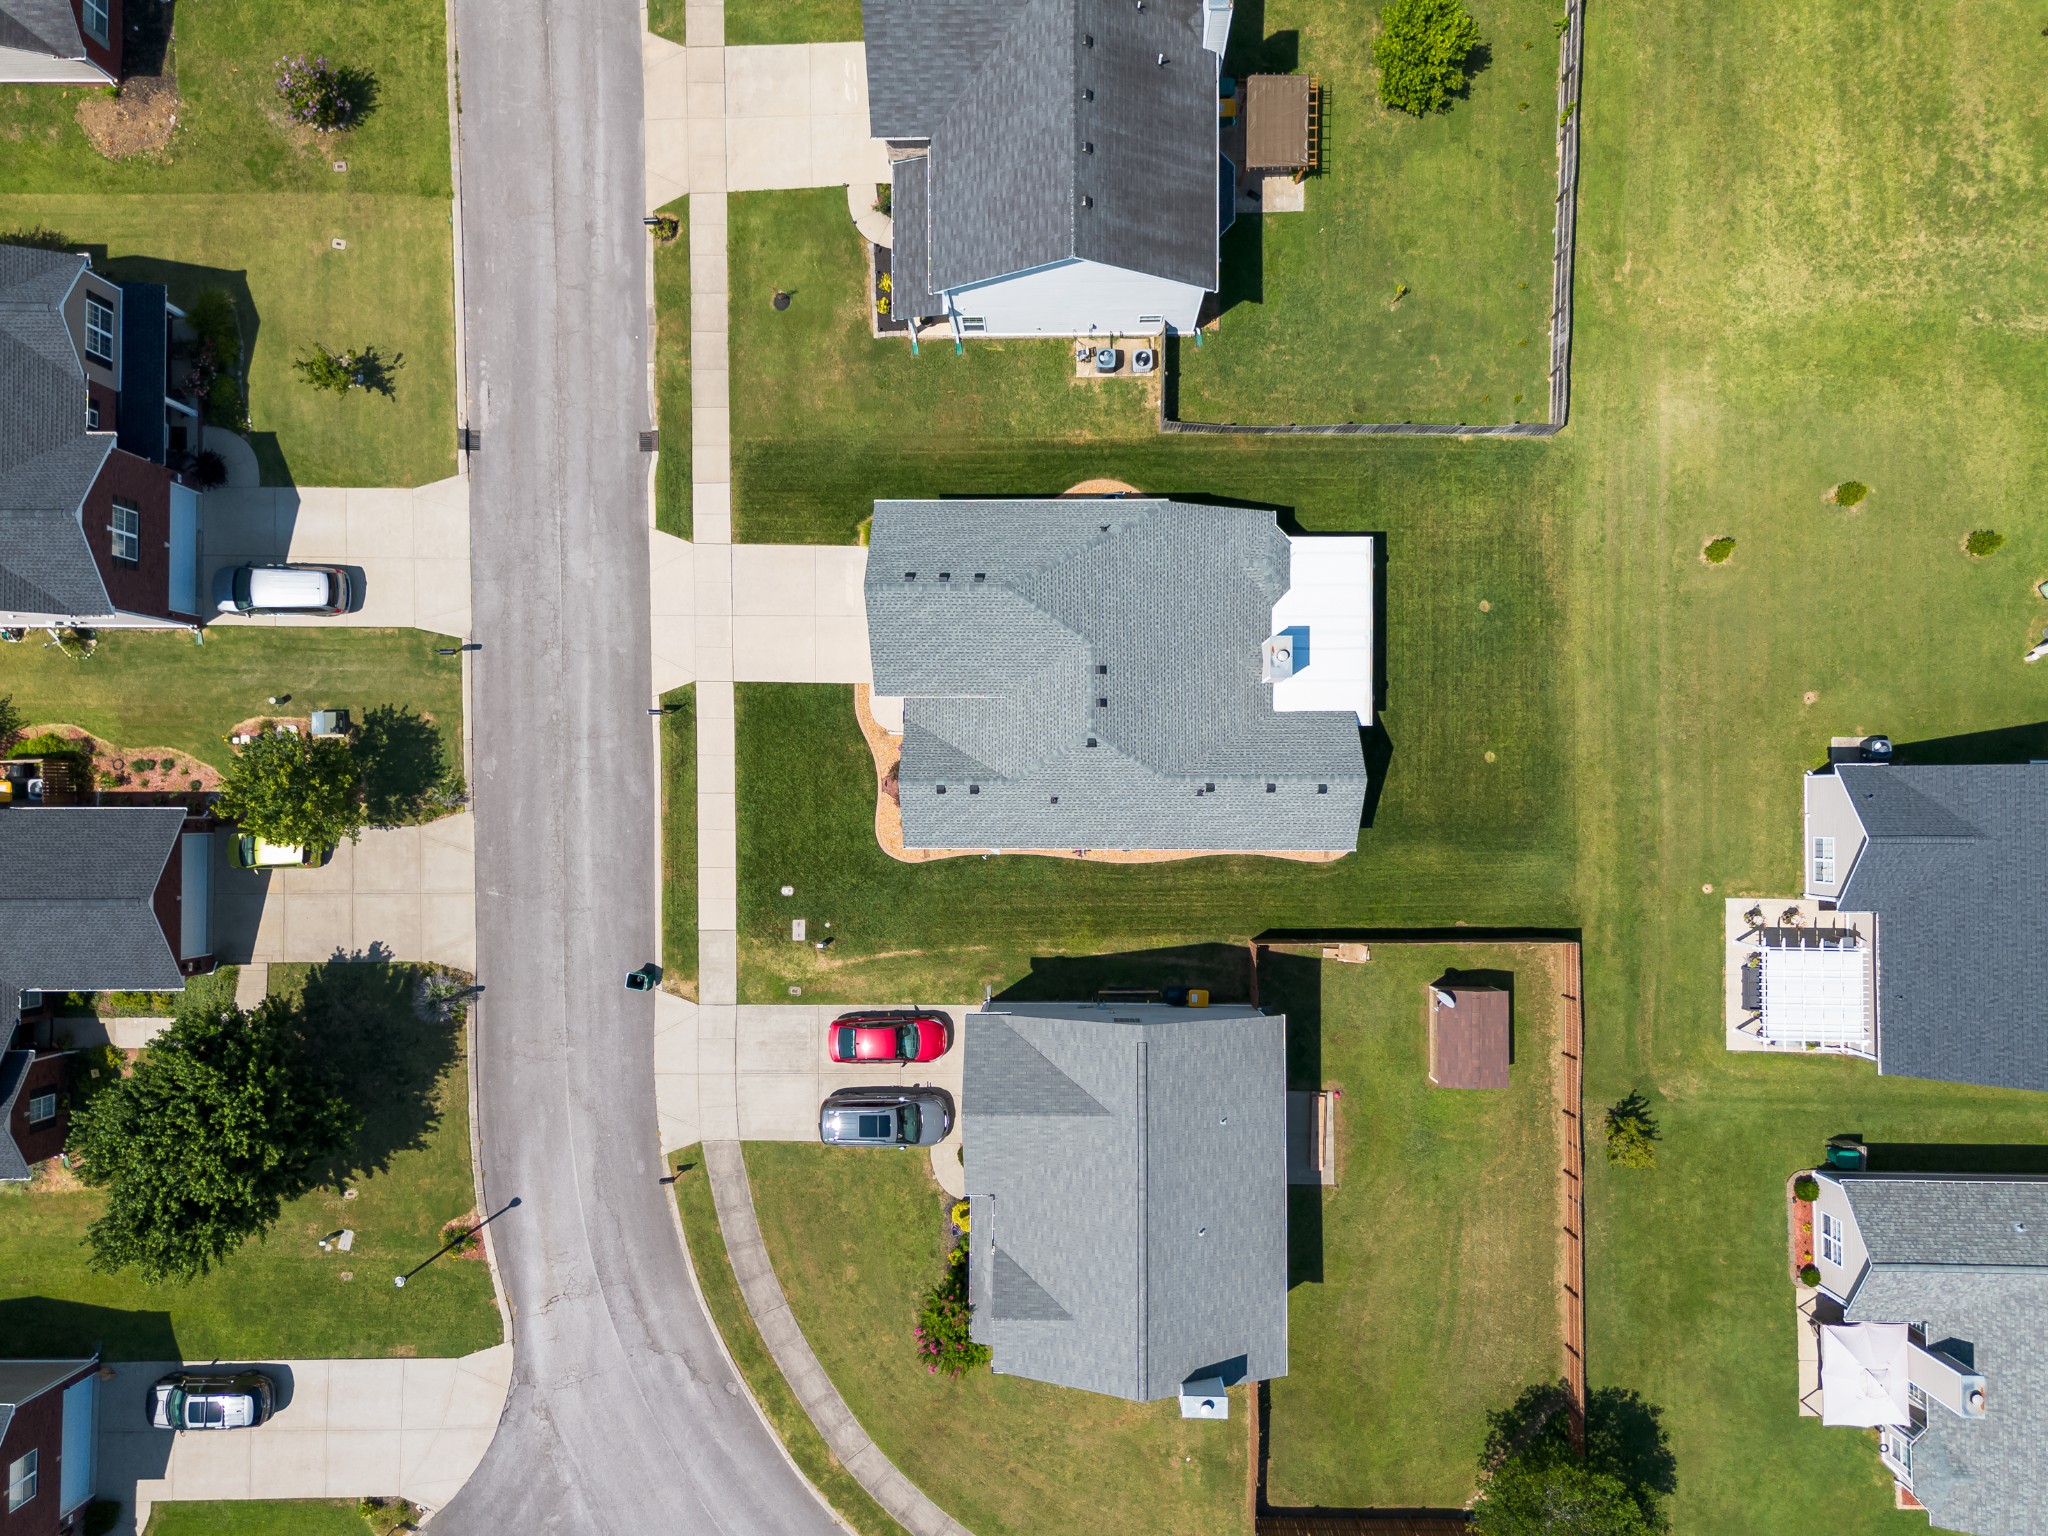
[(345, 1429)]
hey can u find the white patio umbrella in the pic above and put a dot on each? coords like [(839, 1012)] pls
[(1863, 1374)]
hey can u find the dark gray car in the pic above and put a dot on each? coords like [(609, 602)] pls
[(886, 1117), (191, 1400)]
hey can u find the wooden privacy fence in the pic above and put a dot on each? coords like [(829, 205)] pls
[(1563, 250), (1571, 1194)]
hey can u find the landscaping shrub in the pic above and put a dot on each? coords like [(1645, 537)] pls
[(1809, 1274), (315, 92), (1806, 1187), (10, 721), (1718, 550), (1631, 1134), (1849, 492), (1984, 541), (943, 1343), (50, 744), (1421, 51)]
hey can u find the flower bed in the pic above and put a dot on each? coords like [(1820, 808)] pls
[(1799, 1227)]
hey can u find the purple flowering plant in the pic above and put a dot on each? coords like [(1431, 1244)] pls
[(315, 92)]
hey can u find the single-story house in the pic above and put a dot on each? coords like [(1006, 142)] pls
[(1120, 674), (1060, 172), (1126, 1168), (1934, 1331), (49, 1431), (95, 528), (1470, 1034), (1936, 870), (60, 42), (107, 899)]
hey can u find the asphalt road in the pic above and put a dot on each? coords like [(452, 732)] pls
[(623, 1416)]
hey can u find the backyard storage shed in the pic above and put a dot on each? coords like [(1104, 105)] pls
[(1127, 1165), (1470, 1035)]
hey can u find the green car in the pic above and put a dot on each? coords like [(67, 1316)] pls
[(251, 852)]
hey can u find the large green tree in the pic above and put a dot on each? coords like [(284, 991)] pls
[(1422, 49), (199, 1147), (1534, 1482), (294, 790), (1556, 1497)]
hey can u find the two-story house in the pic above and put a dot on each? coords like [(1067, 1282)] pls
[(60, 42), (96, 529)]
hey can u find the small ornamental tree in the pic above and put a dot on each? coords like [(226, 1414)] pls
[(198, 1149), (294, 791), (328, 369), (1631, 1134), (1421, 51), (315, 92), (1984, 541), (943, 1343), (1718, 550)]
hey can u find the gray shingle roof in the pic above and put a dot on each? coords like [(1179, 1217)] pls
[(48, 461), (1024, 614), (1060, 134), (910, 255), (48, 27), (1945, 1257), (1952, 869), (1128, 1171), (81, 920), (14, 1067)]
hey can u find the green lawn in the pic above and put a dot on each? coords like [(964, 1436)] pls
[(231, 137), (392, 288), (281, 1296), (159, 689), (791, 21), (814, 393), (1459, 207), (728, 1309), (679, 841), (256, 1517), (672, 375), (855, 1240), (1441, 1233)]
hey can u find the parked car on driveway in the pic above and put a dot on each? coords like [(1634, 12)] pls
[(886, 1117), (249, 851), (191, 1400), (898, 1036), (282, 589)]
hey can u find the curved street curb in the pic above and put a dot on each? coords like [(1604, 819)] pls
[(733, 1195)]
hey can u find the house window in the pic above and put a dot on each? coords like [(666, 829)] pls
[(92, 412), (1823, 861), (99, 330), (21, 1481), (42, 1109), (96, 21), (127, 528), (1830, 1238)]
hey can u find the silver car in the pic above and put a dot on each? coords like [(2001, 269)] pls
[(188, 1400), (886, 1117)]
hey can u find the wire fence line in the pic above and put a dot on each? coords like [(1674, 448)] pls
[(1563, 250)]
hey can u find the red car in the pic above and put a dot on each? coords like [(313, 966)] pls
[(856, 1037)]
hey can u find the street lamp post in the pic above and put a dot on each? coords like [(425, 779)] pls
[(454, 1242)]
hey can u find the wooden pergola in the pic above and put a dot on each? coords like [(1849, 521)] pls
[(1283, 123)]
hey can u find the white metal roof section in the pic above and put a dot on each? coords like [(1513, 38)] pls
[(1817, 994), (1320, 656), (1863, 1374)]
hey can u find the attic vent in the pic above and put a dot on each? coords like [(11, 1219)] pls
[(1117, 1019), (1091, 741), (1089, 202), (1102, 669), (1209, 788), (941, 788), (981, 575), (1270, 788), (1103, 526), (1322, 789), (1162, 61), (1055, 800), (945, 575), (1102, 703), (1087, 94), (1087, 148), (910, 575), (974, 789)]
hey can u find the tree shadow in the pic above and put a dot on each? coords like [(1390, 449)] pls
[(362, 1025), (377, 373), (46, 1327), (402, 759), (358, 87), (1477, 62)]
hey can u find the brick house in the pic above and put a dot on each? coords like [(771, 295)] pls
[(96, 528), (49, 1427), (60, 42), (134, 884)]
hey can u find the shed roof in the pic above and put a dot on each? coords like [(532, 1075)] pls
[(1058, 129), (1952, 869), (1276, 121), (1470, 1036), (1128, 1169), (1086, 674), (48, 460)]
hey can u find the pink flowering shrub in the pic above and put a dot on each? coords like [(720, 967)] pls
[(943, 1343)]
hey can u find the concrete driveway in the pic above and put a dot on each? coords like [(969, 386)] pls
[(787, 613), (409, 891), (408, 547), (345, 1429)]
